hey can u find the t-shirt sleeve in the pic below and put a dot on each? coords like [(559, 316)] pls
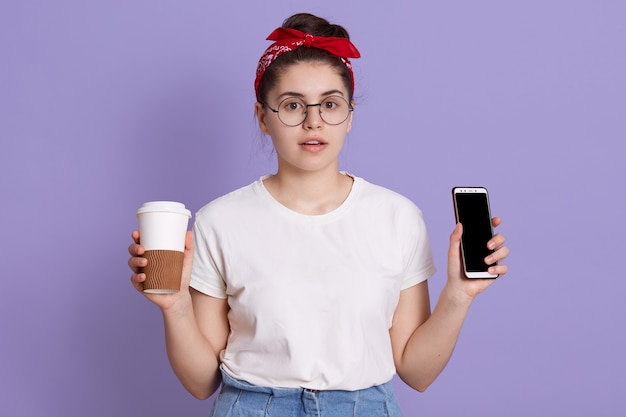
[(419, 263), (208, 264)]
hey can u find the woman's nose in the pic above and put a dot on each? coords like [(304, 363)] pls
[(313, 119)]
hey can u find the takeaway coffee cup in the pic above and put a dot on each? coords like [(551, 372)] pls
[(162, 229)]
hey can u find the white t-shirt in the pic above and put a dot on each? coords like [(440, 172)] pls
[(311, 298)]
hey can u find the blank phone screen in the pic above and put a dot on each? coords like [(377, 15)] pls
[(473, 212)]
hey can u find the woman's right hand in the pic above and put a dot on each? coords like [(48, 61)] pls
[(137, 262)]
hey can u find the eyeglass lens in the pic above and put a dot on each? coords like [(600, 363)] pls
[(333, 110)]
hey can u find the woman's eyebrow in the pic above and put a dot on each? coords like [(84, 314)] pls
[(333, 93), (300, 95), (290, 94)]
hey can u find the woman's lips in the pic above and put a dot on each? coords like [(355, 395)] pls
[(313, 145)]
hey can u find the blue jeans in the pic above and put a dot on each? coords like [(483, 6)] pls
[(241, 399)]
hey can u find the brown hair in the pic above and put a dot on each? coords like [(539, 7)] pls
[(316, 26)]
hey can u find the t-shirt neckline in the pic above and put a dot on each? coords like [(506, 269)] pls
[(311, 218)]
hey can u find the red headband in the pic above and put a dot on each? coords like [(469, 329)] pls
[(287, 39)]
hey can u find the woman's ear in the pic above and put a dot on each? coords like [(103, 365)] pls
[(349, 128), (259, 109)]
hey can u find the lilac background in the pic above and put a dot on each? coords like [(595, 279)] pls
[(104, 105)]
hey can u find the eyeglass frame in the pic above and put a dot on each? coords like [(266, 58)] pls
[(306, 110)]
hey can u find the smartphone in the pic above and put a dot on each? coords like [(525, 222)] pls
[(471, 208)]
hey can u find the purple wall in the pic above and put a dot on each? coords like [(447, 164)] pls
[(104, 105)]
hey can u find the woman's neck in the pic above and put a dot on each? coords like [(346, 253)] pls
[(310, 193)]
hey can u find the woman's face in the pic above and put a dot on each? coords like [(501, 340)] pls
[(313, 145)]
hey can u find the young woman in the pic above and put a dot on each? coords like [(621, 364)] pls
[(306, 291)]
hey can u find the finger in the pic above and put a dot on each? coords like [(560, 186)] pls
[(496, 221), (499, 255), (497, 240), (455, 237), (455, 242), (498, 270), (137, 280), (189, 241), (135, 236), (136, 249), (137, 263)]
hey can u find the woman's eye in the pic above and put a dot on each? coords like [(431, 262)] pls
[(292, 106), (329, 105)]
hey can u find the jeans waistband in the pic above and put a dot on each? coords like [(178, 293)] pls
[(281, 392)]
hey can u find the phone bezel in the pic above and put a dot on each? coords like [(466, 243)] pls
[(480, 190)]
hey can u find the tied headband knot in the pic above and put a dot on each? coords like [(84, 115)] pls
[(288, 39), (308, 40)]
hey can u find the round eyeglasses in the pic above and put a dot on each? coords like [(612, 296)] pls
[(292, 111)]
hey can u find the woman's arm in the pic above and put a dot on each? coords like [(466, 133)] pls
[(196, 325), (195, 334), (422, 342)]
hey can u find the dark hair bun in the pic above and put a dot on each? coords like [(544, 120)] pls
[(308, 23)]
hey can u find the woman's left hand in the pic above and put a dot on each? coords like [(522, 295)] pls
[(472, 286)]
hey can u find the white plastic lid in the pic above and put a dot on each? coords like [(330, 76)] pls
[(163, 206)]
